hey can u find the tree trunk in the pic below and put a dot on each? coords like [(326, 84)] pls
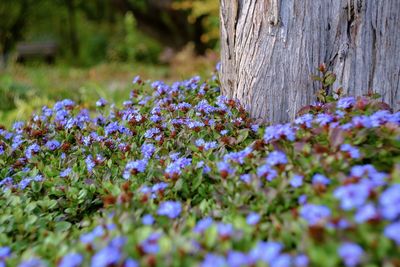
[(269, 49)]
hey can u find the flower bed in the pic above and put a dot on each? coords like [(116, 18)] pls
[(180, 176)]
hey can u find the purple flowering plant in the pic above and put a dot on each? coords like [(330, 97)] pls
[(180, 175)]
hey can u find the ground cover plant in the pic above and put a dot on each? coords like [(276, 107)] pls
[(180, 176)]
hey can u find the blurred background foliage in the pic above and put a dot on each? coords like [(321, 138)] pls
[(101, 45)]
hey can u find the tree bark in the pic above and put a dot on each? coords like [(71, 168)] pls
[(269, 49)]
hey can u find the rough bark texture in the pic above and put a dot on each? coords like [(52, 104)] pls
[(269, 49)]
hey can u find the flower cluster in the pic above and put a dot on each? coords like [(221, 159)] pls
[(181, 176)]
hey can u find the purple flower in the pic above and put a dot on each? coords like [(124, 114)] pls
[(266, 251), (8, 181), (296, 181), (353, 151), (352, 195), (24, 183), (147, 219), (213, 260), (323, 119), (225, 168), (279, 131), (135, 166), (362, 122), (283, 260), (346, 102), (225, 229), (366, 213), (101, 102), (350, 253), (131, 263), (392, 231), (253, 218), (245, 178), (148, 150), (390, 202), (237, 259), (380, 117), (91, 236), (276, 157), (301, 261), (52, 145), (151, 132), (5, 252), (90, 164), (266, 171), (305, 120), (106, 257), (150, 244), (320, 179), (33, 262), (71, 260), (171, 209), (159, 187), (32, 149), (65, 172), (302, 199), (203, 225), (314, 214), (255, 127)]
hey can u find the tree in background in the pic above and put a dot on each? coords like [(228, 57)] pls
[(270, 48), (13, 18)]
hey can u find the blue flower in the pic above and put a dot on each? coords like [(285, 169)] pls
[(246, 178), (32, 149), (283, 260), (314, 214), (362, 121), (353, 151), (296, 181), (224, 167), (237, 259), (351, 254), (65, 172), (266, 251), (5, 252), (34, 262), (267, 171), (301, 261), (323, 119), (392, 231), (135, 166), (346, 102), (151, 132), (150, 244), (305, 120), (148, 150), (101, 102), (225, 229), (213, 260), (366, 213), (171, 209), (203, 225), (71, 260), (320, 179), (352, 195), (276, 157), (131, 263), (147, 219), (52, 145), (253, 218), (106, 257), (390, 202), (90, 164)]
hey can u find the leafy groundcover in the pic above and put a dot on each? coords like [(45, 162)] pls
[(180, 176)]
